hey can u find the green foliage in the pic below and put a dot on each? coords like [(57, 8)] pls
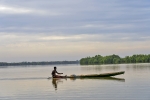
[(115, 59)]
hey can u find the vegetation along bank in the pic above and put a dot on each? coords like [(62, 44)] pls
[(115, 59)]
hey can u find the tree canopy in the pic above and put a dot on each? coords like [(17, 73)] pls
[(115, 59)]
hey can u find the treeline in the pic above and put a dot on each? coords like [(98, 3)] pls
[(38, 63), (115, 59)]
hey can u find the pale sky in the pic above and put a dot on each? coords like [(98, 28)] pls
[(57, 30)]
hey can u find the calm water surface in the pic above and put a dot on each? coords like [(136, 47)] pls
[(31, 83)]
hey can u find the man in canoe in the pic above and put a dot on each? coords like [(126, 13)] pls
[(56, 76)]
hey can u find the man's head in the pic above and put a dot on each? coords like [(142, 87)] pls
[(55, 67)]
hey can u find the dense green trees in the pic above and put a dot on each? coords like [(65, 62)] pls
[(115, 59)]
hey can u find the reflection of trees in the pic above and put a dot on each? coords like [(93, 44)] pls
[(115, 67), (100, 67), (138, 66)]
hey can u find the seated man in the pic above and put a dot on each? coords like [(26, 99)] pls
[(54, 74)]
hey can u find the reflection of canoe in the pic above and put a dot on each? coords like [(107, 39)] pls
[(104, 78), (95, 75), (56, 81), (93, 78)]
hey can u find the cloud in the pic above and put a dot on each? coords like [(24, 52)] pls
[(80, 27), (75, 17), (16, 38), (12, 10), (20, 10), (58, 49)]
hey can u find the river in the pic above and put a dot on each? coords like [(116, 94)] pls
[(31, 83)]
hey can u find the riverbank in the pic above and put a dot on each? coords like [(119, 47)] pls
[(38, 63)]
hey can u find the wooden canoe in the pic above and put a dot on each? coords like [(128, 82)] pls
[(94, 75)]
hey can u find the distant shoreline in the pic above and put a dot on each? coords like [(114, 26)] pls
[(38, 63), (96, 60)]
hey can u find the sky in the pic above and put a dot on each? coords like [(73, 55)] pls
[(58, 30)]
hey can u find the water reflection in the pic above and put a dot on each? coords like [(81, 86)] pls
[(140, 67), (57, 81), (105, 78), (100, 67)]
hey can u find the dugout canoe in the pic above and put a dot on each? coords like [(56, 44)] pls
[(94, 75)]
